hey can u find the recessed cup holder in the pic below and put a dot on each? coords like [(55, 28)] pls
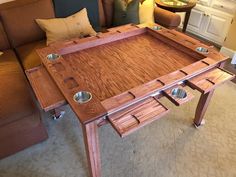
[(202, 50), (82, 97), (156, 28), (53, 56), (179, 93)]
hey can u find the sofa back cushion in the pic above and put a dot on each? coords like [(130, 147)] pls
[(102, 18), (108, 6), (19, 20), (126, 12), (4, 44), (65, 8)]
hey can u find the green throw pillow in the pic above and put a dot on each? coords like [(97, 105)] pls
[(125, 13)]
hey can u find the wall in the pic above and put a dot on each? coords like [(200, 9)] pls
[(231, 37)]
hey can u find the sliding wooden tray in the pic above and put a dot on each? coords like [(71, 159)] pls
[(177, 100), (45, 89), (209, 80), (136, 116)]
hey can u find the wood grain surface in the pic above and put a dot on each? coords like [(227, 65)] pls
[(114, 68), (91, 142), (45, 89)]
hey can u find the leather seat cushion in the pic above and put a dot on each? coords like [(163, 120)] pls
[(15, 98), (28, 56), (4, 44)]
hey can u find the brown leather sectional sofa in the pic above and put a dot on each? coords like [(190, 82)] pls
[(20, 121)]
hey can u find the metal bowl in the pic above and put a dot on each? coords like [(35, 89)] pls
[(82, 97), (53, 56), (202, 50), (179, 93), (157, 28)]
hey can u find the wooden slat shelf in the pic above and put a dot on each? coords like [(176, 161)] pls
[(175, 100), (136, 116), (207, 81)]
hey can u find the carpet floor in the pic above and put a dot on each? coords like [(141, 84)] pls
[(169, 147)]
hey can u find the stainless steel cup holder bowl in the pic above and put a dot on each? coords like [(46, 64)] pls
[(82, 97), (53, 56), (179, 93), (157, 28), (202, 50)]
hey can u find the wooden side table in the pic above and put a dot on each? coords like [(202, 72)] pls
[(178, 6)]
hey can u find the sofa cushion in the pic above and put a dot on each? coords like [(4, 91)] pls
[(102, 18), (74, 26), (16, 102), (126, 12), (19, 21), (28, 56), (4, 44), (65, 8)]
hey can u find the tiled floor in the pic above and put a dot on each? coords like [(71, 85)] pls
[(170, 147)]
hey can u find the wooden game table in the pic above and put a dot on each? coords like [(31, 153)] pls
[(119, 76)]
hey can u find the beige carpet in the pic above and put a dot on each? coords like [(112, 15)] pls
[(170, 147)]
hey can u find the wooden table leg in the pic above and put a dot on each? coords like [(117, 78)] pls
[(91, 141), (186, 19), (202, 107)]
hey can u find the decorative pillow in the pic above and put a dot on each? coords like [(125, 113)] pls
[(59, 29), (1, 53), (126, 12), (146, 11), (65, 8)]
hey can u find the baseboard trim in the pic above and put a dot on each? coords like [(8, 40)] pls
[(228, 52)]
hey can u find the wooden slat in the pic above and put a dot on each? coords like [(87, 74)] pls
[(86, 43), (45, 89), (207, 81), (122, 28), (178, 40), (178, 101), (136, 116)]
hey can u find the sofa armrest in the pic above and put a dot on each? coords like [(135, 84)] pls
[(166, 18)]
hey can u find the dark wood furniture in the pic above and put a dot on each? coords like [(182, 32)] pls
[(127, 70), (177, 6)]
